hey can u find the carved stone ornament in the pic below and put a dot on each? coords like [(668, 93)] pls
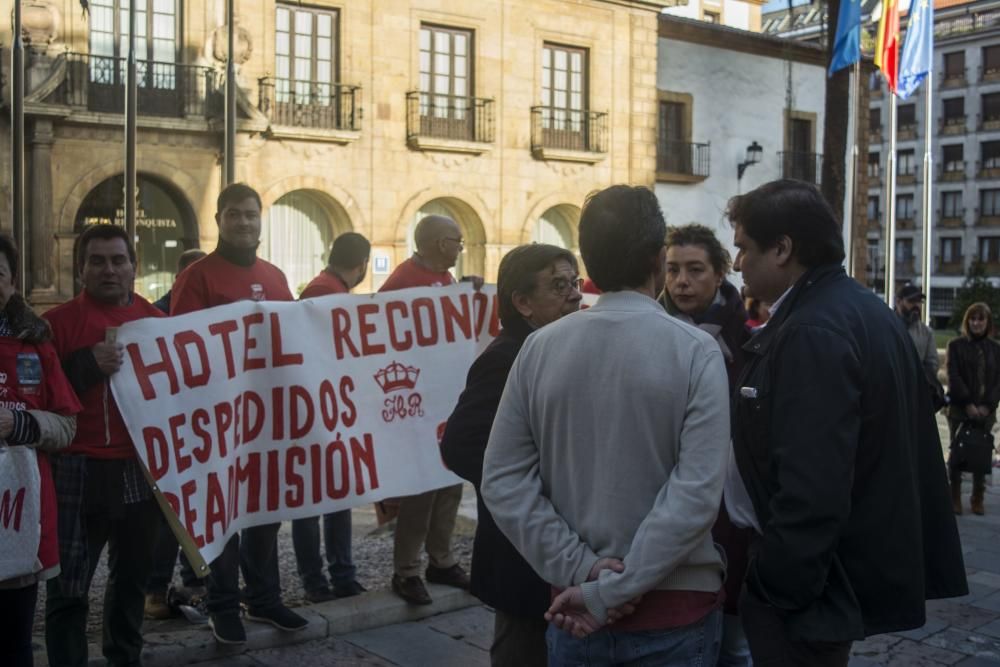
[(39, 23), (220, 43)]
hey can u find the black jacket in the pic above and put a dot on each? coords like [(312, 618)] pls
[(964, 386), (839, 450), (500, 576)]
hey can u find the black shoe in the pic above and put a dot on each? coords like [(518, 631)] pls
[(323, 594), (349, 590), (280, 617), (449, 576), (411, 589), (227, 628)]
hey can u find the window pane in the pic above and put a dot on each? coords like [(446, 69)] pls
[(324, 72), (281, 43), (546, 57), (324, 25), (560, 59), (281, 67), (460, 66), (282, 20), (460, 88), (461, 45), (442, 84), (303, 46), (303, 23), (324, 46), (442, 42), (425, 39), (442, 63), (425, 62), (576, 61)]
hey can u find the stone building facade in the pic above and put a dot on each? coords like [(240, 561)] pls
[(361, 115)]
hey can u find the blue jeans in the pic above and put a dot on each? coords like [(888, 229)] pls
[(735, 651), (336, 537), (695, 645)]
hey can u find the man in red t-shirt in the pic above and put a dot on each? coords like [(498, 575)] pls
[(345, 269), (233, 272), (428, 519), (103, 496)]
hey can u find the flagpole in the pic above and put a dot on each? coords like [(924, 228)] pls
[(928, 204), (890, 218), (131, 108), (852, 179), (17, 146)]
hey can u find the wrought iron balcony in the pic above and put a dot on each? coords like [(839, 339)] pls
[(97, 83), (951, 217), (801, 166), (950, 125), (952, 171), (568, 130), (449, 117), (322, 106), (955, 79), (687, 160)]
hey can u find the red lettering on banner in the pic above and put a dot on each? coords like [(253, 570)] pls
[(328, 405), (223, 420), (215, 512), (342, 333), (332, 489), (363, 453), (188, 489), (225, 330), (350, 414), (295, 496), (251, 429), (181, 342), (199, 420), (425, 306), (143, 371), (367, 328), (12, 510), (277, 413), (486, 307), (250, 473), (398, 344), (453, 317), (237, 434), (272, 480), (316, 468), (250, 343), (183, 460), (157, 452), (298, 425), (278, 356)]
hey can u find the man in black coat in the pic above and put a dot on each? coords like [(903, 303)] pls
[(838, 458), (537, 284)]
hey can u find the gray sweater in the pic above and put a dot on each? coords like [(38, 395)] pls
[(611, 440)]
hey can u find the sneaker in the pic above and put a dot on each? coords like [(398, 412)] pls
[(349, 590), (156, 607), (449, 576), (280, 617), (411, 589), (323, 594), (227, 628)]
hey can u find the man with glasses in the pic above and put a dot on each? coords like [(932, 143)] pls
[(428, 519)]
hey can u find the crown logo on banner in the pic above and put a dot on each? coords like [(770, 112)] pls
[(396, 376)]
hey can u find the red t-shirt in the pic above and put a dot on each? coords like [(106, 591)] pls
[(215, 281), (412, 274), (323, 284), (31, 378), (80, 323), (663, 609)]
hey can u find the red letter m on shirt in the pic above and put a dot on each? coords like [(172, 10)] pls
[(10, 512)]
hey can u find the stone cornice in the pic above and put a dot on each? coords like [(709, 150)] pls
[(731, 39)]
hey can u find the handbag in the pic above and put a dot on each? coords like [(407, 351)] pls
[(20, 512), (974, 448)]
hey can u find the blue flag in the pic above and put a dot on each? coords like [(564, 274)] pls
[(918, 48), (847, 43)]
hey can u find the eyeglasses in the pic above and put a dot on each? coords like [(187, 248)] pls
[(564, 287), (460, 242)]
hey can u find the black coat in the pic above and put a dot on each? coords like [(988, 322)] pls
[(963, 374), (500, 576), (839, 450)]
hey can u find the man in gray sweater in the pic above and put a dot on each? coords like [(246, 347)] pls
[(610, 446)]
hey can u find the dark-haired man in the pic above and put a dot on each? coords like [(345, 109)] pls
[(580, 474), (909, 302), (536, 285), (345, 269), (103, 497), (838, 460), (233, 272)]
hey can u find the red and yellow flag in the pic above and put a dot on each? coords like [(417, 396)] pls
[(887, 45)]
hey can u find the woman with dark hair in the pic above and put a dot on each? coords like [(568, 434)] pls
[(698, 293), (37, 406), (974, 391)]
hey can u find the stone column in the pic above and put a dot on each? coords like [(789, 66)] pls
[(39, 256)]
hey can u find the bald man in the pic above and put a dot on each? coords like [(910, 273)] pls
[(428, 519)]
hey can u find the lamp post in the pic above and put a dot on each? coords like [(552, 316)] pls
[(754, 153)]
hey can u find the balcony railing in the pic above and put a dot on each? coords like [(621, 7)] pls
[(956, 79), (952, 171), (801, 166), (449, 117), (951, 217), (684, 158), (950, 125), (322, 106), (906, 131), (563, 129), (97, 83), (951, 268), (906, 174), (989, 169), (989, 73), (988, 220), (988, 122), (966, 23)]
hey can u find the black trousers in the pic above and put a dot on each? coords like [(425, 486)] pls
[(129, 535), (17, 613), (771, 647)]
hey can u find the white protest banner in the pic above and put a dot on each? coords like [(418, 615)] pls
[(254, 413)]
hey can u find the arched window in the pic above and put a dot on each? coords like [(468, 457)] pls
[(473, 257), (556, 226)]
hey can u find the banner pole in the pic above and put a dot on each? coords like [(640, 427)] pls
[(928, 194), (890, 209)]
